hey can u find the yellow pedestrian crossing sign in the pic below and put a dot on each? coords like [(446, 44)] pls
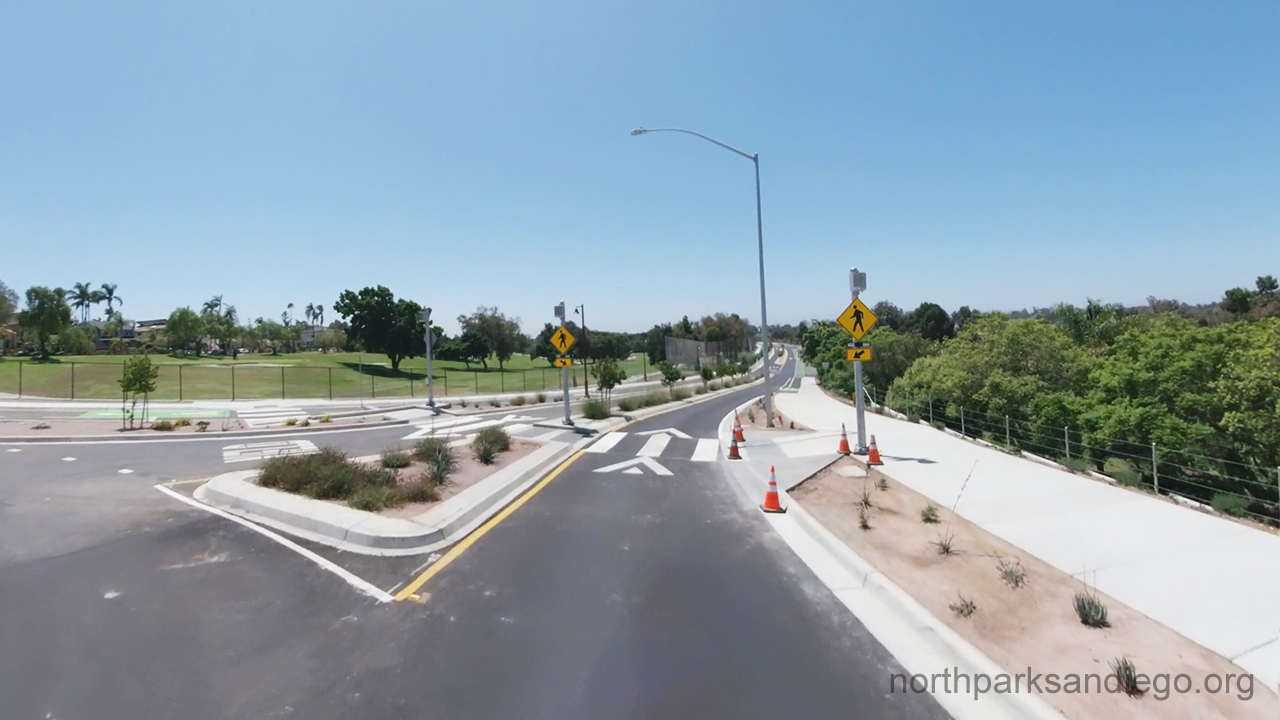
[(564, 362), (562, 340), (857, 319), (860, 353)]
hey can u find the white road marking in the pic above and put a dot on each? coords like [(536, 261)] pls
[(635, 464), (358, 583), (707, 450), (264, 450), (606, 443), (69, 459), (669, 431), (126, 471), (633, 471), (428, 431), (111, 594), (655, 446), (15, 449), (544, 437)]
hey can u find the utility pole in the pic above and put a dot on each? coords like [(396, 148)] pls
[(858, 283), (564, 372), (581, 310), (431, 391)]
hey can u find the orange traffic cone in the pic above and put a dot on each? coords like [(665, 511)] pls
[(733, 450), (737, 428), (873, 455), (844, 441), (771, 504)]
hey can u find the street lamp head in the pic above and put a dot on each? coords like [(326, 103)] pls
[(639, 131)]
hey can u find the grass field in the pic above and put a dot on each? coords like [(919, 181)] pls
[(305, 375)]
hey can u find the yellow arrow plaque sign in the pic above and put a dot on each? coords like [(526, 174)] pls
[(857, 319), (858, 354), (562, 340), (564, 362)]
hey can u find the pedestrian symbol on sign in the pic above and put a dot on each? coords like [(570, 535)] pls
[(562, 339)]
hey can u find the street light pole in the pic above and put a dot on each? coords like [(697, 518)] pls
[(431, 391), (586, 376), (764, 318)]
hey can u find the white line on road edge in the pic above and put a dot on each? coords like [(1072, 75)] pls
[(358, 583), (125, 471)]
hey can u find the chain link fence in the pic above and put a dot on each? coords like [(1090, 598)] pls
[(696, 353)]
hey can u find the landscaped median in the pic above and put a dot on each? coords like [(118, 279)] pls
[(437, 495)]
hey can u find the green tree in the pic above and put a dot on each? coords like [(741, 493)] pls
[(184, 330), (889, 315), (892, 353), (931, 321), (670, 374), (542, 347), (83, 298), (139, 378), (8, 304), (1237, 301), (469, 347), (963, 317), (380, 323), (655, 343), (74, 341), (1267, 286), (223, 327), (500, 333), (609, 375), (46, 315)]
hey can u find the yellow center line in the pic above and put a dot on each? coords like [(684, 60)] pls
[(413, 587)]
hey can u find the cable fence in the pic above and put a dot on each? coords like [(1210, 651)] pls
[(1235, 488)]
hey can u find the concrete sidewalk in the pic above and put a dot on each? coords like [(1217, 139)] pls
[(1208, 578)]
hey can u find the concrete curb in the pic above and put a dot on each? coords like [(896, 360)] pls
[(154, 436), (371, 534)]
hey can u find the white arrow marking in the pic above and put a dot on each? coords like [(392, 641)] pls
[(633, 471), (669, 431), (634, 463)]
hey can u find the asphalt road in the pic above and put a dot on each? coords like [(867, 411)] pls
[(605, 595)]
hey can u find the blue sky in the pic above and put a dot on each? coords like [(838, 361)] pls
[(1000, 155)]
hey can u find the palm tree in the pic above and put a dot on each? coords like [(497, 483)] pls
[(82, 298), (288, 318), (320, 315), (109, 296), (214, 305), (310, 313)]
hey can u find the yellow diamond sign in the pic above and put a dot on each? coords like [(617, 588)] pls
[(562, 340), (564, 362), (857, 319)]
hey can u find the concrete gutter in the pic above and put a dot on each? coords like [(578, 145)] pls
[(372, 534)]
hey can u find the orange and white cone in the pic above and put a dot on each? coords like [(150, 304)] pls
[(771, 504), (844, 441), (733, 450), (737, 428), (873, 455)]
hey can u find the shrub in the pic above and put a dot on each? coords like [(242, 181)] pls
[(938, 425), (945, 544), (326, 419), (881, 482), (518, 400), (595, 410), (751, 414), (202, 426), (627, 404), (423, 489), (426, 449), (306, 422), (162, 425), (1127, 674), (541, 397), (486, 451), (680, 394), (1124, 471), (1076, 464), (373, 498), (963, 606), (1225, 503), (863, 521), (496, 402), (1012, 572), (715, 386), (652, 399), (497, 436), (700, 390), (395, 459), (439, 460), (291, 422), (707, 373), (462, 402), (323, 475), (182, 422), (929, 514), (1090, 611)]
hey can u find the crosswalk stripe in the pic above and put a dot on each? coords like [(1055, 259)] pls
[(549, 435), (655, 446), (706, 451), (606, 443)]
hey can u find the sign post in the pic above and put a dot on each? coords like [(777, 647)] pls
[(431, 390), (562, 340), (858, 320)]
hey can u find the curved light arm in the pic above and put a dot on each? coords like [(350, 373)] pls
[(642, 131)]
